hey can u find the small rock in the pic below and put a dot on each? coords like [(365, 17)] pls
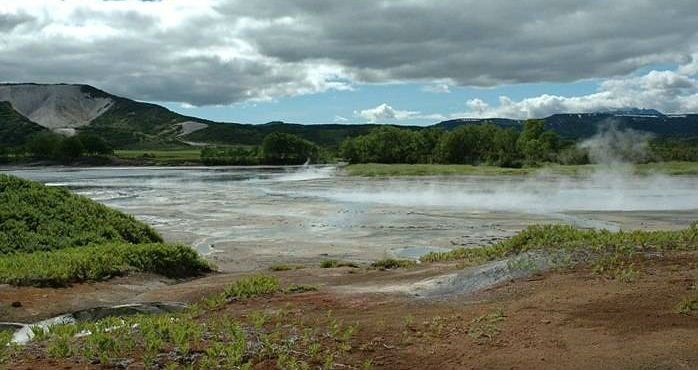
[(16, 304), (545, 321)]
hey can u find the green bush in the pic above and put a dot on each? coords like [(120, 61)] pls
[(34, 217)]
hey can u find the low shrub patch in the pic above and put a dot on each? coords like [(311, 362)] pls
[(392, 263), (252, 286), (69, 265)]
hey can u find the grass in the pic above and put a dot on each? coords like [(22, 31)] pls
[(252, 286), (392, 263), (197, 340), (285, 267), (93, 263), (615, 254), (687, 306), (377, 169), (328, 264), (300, 288), (34, 217), (486, 327), (200, 338), (171, 156)]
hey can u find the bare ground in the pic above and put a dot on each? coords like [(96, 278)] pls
[(556, 320)]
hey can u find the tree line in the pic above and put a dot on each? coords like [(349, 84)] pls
[(277, 149), (469, 144), (51, 146)]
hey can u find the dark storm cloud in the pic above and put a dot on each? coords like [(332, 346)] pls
[(221, 52), (479, 42)]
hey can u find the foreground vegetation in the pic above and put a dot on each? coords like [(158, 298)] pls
[(51, 237), (201, 337), (34, 217), (615, 254)]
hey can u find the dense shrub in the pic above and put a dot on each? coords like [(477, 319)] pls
[(35, 217), (49, 236)]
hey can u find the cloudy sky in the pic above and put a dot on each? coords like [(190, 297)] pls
[(402, 61)]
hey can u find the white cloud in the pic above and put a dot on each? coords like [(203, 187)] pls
[(385, 112), (667, 91), (340, 119)]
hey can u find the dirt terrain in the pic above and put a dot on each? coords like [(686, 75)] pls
[(556, 320)]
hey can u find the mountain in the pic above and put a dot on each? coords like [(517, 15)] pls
[(26, 109), (68, 109), (581, 125), (55, 106)]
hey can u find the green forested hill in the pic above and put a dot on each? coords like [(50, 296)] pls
[(15, 129)]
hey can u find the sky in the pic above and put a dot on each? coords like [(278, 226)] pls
[(411, 62)]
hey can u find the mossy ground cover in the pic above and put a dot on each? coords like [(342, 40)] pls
[(51, 237)]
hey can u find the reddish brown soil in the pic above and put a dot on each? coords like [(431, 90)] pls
[(568, 320)]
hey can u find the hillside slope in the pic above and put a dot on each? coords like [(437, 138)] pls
[(55, 106), (15, 129), (76, 108), (241, 134)]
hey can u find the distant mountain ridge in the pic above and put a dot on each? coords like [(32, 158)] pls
[(581, 125), (27, 108)]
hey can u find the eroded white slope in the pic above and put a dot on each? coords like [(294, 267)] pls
[(55, 106)]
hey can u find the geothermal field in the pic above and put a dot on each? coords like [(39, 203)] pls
[(250, 218)]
